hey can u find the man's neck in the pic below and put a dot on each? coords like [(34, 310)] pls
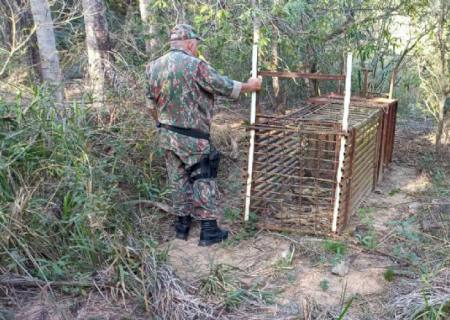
[(181, 48)]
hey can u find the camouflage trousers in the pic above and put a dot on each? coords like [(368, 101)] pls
[(199, 198)]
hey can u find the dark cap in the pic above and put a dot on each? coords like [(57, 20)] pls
[(183, 32)]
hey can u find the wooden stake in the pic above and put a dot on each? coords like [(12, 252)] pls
[(252, 113), (348, 86)]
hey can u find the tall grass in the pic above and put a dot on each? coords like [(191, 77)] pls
[(66, 191)]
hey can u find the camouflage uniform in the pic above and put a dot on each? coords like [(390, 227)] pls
[(182, 88)]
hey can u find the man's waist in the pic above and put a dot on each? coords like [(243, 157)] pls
[(190, 132)]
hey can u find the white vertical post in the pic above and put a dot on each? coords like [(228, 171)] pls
[(252, 114), (348, 87)]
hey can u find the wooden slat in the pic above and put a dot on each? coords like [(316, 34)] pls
[(305, 75)]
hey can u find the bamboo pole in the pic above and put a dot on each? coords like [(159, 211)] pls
[(252, 113), (348, 85)]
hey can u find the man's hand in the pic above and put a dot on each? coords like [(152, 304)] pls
[(252, 84)]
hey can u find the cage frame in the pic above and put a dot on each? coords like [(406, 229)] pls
[(357, 182)]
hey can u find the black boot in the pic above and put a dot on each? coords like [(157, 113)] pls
[(182, 227), (211, 233)]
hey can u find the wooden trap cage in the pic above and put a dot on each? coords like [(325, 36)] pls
[(295, 161)]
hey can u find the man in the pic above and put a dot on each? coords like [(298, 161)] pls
[(182, 88)]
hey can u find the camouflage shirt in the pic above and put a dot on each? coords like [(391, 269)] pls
[(182, 88)]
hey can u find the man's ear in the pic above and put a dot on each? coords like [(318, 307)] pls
[(190, 45)]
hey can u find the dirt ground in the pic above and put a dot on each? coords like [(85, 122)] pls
[(258, 261), (262, 262)]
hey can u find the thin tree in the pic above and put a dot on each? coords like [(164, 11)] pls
[(433, 68), (98, 49), (408, 48), (13, 37), (442, 41), (33, 56), (49, 59), (276, 86), (150, 28), (274, 66)]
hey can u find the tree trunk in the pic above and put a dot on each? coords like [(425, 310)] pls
[(441, 37), (98, 47), (397, 66), (312, 68), (315, 83), (447, 129), (440, 127), (392, 82), (49, 60), (274, 66), (10, 12), (33, 58), (6, 27), (150, 43), (181, 11), (342, 71), (8, 33), (366, 82)]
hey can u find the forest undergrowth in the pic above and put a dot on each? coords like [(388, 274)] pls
[(75, 219), (70, 212)]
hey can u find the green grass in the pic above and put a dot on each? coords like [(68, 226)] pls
[(394, 191), (64, 188), (336, 247), (366, 216), (433, 312), (324, 285), (224, 285), (368, 239), (232, 214), (247, 231), (345, 310), (389, 275), (286, 260)]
